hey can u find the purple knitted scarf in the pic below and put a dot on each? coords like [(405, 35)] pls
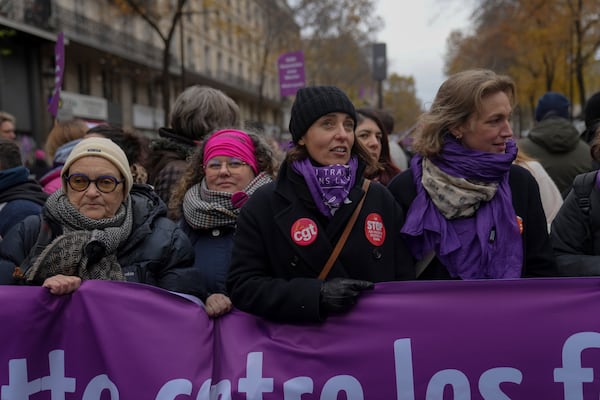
[(328, 185), (487, 245)]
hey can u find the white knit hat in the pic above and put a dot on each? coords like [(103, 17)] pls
[(100, 147)]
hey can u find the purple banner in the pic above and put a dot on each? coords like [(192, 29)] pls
[(291, 72), (504, 339), (59, 67)]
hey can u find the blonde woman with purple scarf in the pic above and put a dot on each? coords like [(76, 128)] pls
[(472, 213), (288, 229)]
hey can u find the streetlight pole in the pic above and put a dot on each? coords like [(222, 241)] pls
[(379, 70)]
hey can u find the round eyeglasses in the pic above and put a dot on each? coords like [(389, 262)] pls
[(234, 165), (104, 183)]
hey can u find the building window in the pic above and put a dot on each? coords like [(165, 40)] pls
[(134, 89), (107, 89), (150, 93), (83, 78), (230, 32), (190, 56), (207, 60)]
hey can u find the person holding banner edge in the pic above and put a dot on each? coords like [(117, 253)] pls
[(99, 225), (288, 231), (472, 213)]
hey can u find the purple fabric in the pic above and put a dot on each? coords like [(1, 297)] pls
[(487, 245), (328, 185), (134, 341)]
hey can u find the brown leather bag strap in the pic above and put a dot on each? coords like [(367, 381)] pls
[(342, 240)]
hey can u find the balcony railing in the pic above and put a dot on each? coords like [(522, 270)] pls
[(106, 37)]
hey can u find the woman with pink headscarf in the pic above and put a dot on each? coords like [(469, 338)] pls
[(223, 172)]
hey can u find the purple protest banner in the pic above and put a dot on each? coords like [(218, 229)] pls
[(502, 339), (133, 341), (59, 62), (291, 72)]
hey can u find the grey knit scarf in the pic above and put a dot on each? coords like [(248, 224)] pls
[(87, 248), (207, 209)]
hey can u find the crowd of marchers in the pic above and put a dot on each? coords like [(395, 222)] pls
[(296, 233)]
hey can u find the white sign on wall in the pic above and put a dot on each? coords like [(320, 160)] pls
[(145, 117), (83, 106)]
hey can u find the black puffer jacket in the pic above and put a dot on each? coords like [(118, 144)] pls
[(157, 252)]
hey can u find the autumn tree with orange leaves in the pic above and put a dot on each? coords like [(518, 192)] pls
[(545, 45)]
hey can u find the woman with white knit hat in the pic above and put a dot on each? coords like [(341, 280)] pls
[(98, 226)]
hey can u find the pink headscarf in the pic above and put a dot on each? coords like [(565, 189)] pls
[(231, 143)]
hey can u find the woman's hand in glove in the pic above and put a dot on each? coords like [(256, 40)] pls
[(339, 294)]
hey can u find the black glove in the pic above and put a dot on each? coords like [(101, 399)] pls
[(339, 294)]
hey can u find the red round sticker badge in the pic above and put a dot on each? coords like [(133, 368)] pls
[(520, 224), (304, 231), (374, 229)]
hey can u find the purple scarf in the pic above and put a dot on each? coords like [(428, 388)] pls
[(487, 245), (328, 185)]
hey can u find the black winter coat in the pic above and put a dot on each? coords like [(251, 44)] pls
[(537, 250), (275, 265), (157, 252), (576, 235)]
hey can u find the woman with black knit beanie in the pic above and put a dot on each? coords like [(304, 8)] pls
[(287, 231)]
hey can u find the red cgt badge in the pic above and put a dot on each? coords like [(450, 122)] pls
[(304, 231)]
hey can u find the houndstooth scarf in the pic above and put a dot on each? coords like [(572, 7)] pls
[(206, 209), (87, 248)]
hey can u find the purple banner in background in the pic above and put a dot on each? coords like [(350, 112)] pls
[(504, 339), (291, 72)]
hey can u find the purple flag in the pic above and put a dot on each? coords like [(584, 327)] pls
[(59, 62)]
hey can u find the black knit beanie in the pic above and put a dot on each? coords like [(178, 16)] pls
[(312, 103), (592, 111)]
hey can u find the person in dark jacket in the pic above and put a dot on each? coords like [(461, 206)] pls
[(197, 112), (288, 229), (20, 196), (99, 226), (555, 142), (591, 114), (471, 213), (224, 171), (576, 228)]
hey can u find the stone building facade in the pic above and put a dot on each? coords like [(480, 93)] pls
[(113, 59)]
